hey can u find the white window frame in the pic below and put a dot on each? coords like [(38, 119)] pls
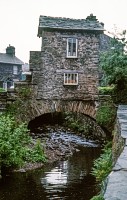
[(15, 69), (13, 84), (70, 78), (5, 86), (70, 49)]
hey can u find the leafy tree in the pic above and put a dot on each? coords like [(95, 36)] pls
[(114, 62)]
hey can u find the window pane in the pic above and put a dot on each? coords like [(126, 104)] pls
[(71, 79), (72, 47), (65, 78), (15, 70), (74, 40), (5, 85), (69, 47)]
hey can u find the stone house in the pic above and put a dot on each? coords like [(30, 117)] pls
[(67, 65), (10, 68)]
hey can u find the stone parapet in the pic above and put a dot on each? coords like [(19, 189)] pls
[(117, 179)]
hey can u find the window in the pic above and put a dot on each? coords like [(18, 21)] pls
[(5, 86), (15, 69), (71, 47), (70, 79), (12, 85)]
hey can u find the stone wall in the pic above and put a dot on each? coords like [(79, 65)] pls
[(49, 65), (3, 101), (94, 131), (120, 132), (117, 180), (118, 142), (105, 43)]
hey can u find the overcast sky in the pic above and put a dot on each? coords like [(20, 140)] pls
[(19, 19)]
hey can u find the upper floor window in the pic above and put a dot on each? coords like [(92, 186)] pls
[(15, 69), (70, 78), (72, 48)]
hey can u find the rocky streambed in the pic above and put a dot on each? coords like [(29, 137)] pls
[(59, 143)]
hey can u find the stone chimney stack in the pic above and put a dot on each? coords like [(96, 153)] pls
[(10, 50)]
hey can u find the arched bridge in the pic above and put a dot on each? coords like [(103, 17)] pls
[(40, 107), (31, 107)]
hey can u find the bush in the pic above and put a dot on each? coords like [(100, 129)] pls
[(98, 197), (2, 90), (103, 165), (13, 141), (24, 92), (106, 115), (74, 122), (107, 90), (36, 154), (14, 144)]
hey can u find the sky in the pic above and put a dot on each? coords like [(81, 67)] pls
[(19, 19)]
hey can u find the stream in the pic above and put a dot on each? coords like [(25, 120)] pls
[(66, 179)]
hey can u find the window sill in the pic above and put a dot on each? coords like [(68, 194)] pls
[(70, 84), (71, 57)]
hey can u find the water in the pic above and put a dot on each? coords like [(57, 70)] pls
[(65, 180), (68, 137)]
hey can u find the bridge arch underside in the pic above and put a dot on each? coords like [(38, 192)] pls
[(86, 111), (40, 107)]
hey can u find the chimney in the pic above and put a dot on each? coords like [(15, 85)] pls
[(10, 50)]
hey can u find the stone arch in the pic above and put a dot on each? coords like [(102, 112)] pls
[(88, 109), (40, 107)]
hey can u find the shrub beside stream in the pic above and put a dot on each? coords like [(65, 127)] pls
[(16, 146), (101, 169)]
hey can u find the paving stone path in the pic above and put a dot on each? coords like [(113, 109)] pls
[(117, 180)]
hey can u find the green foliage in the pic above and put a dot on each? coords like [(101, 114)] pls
[(120, 96), (13, 141), (24, 92), (2, 90), (106, 114), (114, 62), (106, 90), (98, 197), (103, 165), (36, 154), (15, 108), (74, 122), (14, 144), (20, 108)]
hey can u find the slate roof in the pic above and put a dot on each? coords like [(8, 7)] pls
[(9, 59), (5, 78), (90, 23)]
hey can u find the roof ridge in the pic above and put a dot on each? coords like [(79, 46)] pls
[(90, 17)]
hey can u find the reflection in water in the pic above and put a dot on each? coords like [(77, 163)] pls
[(71, 178), (57, 176), (65, 180)]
